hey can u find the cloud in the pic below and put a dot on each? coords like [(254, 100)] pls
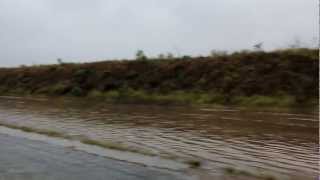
[(40, 31)]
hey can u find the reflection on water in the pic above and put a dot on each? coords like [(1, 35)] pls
[(280, 142)]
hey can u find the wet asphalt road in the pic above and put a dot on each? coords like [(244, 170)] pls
[(22, 159)]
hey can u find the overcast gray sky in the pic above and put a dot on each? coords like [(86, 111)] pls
[(40, 31)]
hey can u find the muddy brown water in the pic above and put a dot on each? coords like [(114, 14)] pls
[(283, 143)]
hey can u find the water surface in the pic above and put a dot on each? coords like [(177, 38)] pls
[(283, 143)]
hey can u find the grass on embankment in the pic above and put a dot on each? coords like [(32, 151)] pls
[(181, 97), (279, 78), (190, 98)]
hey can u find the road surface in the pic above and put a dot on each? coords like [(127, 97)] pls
[(23, 159)]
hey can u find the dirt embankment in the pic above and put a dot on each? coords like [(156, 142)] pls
[(225, 79)]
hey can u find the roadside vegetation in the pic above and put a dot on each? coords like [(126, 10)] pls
[(282, 78), (103, 144), (255, 175)]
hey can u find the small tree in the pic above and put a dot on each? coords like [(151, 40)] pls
[(258, 47), (140, 55), (161, 56), (59, 60), (186, 57), (217, 53), (170, 55), (296, 43)]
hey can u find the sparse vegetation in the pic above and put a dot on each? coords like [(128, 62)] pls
[(38, 131), (280, 78), (257, 175), (103, 144), (194, 163)]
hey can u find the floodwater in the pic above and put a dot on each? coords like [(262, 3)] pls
[(26, 159), (282, 143)]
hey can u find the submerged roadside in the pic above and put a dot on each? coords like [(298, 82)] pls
[(25, 159), (26, 155)]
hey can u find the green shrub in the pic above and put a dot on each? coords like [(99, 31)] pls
[(96, 94), (77, 91), (112, 95), (82, 74), (258, 100), (58, 89), (140, 55)]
